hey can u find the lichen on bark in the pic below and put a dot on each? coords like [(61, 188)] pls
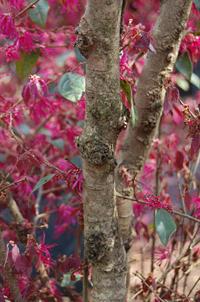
[(98, 41)]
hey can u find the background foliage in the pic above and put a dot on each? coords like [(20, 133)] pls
[(42, 109)]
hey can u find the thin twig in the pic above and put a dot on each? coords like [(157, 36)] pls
[(196, 164), (41, 125), (182, 255), (193, 287), (186, 216), (12, 184), (29, 6), (166, 287), (55, 189), (148, 286), (148, 204), (85, 281), (157, 191), (136, 294), (142, 260), (15, 211), (181, 195)]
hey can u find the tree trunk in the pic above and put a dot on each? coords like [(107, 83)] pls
[(98, 41), (149, 99)]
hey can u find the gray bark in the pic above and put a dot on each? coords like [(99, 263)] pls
[(149, 99), (98, 41)]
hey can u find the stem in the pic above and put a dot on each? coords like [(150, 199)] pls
[(85, 281), (194, 170), (14, 209), (12, 184), (181, 195), (187, 273), (29, 6), (182, 255), (193, 287), (98, 40), (149, 287), (153, 243), (149, 98), (173, 211), (157, 192), (173, 281)]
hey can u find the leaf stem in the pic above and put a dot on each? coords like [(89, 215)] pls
[(29, 6)]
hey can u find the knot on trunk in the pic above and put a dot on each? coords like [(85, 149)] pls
[(85, 40), (95, 150), (98, 247)]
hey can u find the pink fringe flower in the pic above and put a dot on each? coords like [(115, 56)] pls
[(35, 89), (7, 26)]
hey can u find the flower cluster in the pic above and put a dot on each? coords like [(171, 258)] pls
[(191, 43)]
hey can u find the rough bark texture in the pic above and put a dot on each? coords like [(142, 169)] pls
[(14, 209), (149, 99), (98, 40)]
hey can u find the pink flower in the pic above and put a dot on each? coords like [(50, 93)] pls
[(17, 4), (55, 290), (74, 176), (40, 108), (35, 89), (177, 115), (43, 253), (26, 42), (39, 252), (191, 43), (155, 202), (80, 109), (196, 202), (66, 217), (161, 254), (7, 26), (149, 169), (70, 4), (172, 94), (196, 253), (12, 53), (138, 209)]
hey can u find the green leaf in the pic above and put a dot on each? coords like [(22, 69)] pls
[(61, 59), (24, 128), (66, 281), (197, 4), (26, 63), (134, 115), (43, 181), (79, 56), (71, 86), (126, 87), (183, 83), (2, 158), (59, 143), (195, 80), (165, 225), (184, 65), (39, 14), (52, 87)]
